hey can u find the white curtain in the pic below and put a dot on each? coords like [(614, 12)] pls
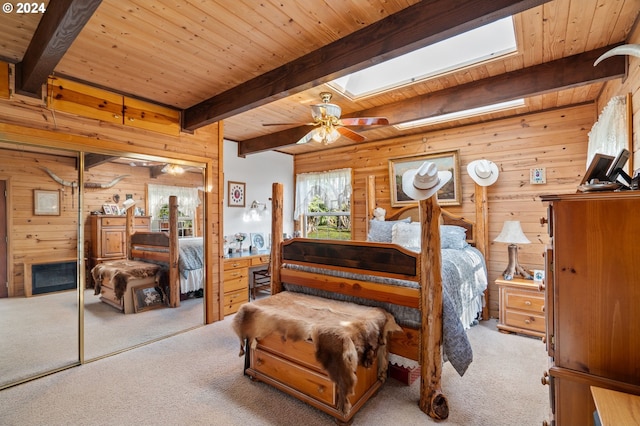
[(188, 199), (333, 187), (609, 134)]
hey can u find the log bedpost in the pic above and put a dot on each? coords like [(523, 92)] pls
[(432, 400), (276, 236), (174, 278)]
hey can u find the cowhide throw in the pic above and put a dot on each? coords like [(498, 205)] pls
[(344, 334), (119, 272)]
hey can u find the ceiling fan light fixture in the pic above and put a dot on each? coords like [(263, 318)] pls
[(172, 169)]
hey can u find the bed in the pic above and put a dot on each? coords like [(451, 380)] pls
[(367, 273), (156, 259)]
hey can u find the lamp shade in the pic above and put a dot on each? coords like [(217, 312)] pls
[(512, 233)]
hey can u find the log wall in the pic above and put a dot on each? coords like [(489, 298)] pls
[(555, 140)]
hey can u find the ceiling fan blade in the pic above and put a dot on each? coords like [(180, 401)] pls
[(288, 124), (365, 121), (308, 137), (348, 133)]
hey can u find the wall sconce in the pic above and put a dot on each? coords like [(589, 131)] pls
[(257, 211), (512, 234)]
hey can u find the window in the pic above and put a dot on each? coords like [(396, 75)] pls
[(323, 204)]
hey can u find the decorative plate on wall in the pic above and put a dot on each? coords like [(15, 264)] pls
[(236, 194)]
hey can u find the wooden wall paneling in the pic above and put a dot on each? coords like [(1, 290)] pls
[(146, 115), (556, 140), (83, 100), (5, 90)]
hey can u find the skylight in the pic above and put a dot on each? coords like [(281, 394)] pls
[(461, 114), (487, 42)]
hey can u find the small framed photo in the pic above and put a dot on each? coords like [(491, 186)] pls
[(46, 203), (258, 241), (147, 297), (115, 209), (236, 197), (106, 208)]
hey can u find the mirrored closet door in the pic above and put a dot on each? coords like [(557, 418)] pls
[(64, 215)]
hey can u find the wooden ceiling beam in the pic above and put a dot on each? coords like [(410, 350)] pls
[(561, 74), (58, 28), (416, 26)]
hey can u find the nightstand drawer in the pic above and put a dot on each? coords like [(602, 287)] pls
[(525, 321), (527, 301)]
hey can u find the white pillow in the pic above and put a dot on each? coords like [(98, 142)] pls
[(406, 235), (380, 231)]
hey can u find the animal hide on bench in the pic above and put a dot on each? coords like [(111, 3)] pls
[(119, 272), (344, 334)]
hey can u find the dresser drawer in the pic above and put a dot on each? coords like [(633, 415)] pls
[(524, 320), (236, 263), (234, 274), (524, 300), (236, 284), (311, 383), (233, 300), (260, 260)]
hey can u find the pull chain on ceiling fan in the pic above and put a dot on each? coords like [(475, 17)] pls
[(329, 126)]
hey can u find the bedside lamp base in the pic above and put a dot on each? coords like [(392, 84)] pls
[(514, 268)]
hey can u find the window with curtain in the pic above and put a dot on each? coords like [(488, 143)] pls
[(323, 204), (188, 202)]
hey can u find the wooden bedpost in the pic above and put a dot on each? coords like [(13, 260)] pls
[(480, 231), (276, 236), (432, 400), (174, 279), (371, 201), (129, 230)]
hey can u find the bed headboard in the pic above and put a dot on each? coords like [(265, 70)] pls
[(477, 230), (447, 218)]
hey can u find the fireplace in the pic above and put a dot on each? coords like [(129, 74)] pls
[(54, 276)]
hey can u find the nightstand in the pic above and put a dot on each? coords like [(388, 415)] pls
[(521, 307)]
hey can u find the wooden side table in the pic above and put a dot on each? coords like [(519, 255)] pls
[(521, 307)]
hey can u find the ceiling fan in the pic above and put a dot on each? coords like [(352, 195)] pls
[(329, 126)]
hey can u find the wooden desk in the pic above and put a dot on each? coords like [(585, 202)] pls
[(236, 278), (616, 408)]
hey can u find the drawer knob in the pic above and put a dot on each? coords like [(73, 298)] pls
[(527, 302), (541, 287), (545, 378), (527, 321), (320, 389), (259, 361)]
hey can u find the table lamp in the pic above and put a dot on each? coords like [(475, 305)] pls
[(512, 234)]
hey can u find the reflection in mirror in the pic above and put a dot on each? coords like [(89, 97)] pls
[(128, 301), (39, 325)]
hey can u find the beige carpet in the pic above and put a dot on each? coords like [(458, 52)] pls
[(196, 378)]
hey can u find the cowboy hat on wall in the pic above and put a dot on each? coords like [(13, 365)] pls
[(483, 172), (425, 181)]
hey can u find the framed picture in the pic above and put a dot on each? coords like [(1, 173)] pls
[(258, 241), (448, 195), (236, 194), (46, 203), (147, 297), (114, 209), (106, 208)]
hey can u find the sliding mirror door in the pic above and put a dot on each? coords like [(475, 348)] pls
[(39, 325), (124, 305)]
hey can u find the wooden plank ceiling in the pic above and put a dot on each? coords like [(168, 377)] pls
[(253, 63)]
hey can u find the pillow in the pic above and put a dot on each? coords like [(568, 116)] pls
[(453, 237), (380, 231), (406, 235)]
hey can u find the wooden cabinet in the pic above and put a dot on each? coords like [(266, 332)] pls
[(108, 236), (236, 284), (521, 307), (592, 296)]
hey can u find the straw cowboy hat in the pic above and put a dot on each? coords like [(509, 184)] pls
[(422, 183), (483, 172)]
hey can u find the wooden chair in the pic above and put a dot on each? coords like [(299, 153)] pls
[(261, 281)]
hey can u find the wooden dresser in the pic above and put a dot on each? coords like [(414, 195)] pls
[(521, 307), (236, 279), (108, 236), (592, 299)]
